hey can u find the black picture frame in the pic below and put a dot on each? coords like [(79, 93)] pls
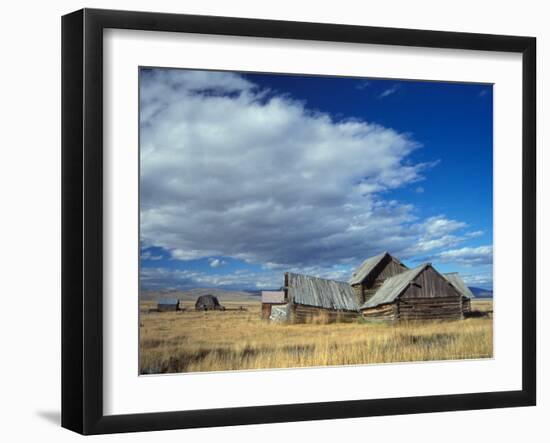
[(82, 218)]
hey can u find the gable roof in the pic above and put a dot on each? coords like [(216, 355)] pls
[(393, 287), (314, 291), (363, 271), (455, 279)]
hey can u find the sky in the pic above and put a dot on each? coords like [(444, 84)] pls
[(246, 176)]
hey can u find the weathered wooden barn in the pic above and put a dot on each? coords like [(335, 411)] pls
[(270, 299), (312, 298), (421, 293), (168, 305), (208, 303), (372, 273), (458, 283), (382, 288)]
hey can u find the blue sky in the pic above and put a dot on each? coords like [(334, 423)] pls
[(246, 176)]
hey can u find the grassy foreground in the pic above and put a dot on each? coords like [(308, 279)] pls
[(235, 340)]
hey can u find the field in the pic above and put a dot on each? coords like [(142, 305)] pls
[(193, 341)]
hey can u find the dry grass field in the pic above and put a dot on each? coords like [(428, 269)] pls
[(193, 341)]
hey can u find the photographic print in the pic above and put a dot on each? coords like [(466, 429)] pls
[(294, 221)]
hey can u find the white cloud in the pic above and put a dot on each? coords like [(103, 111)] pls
[(215, 262), (391, 90), (468, 256), (483, 280), (147, 255), (230, 170), (419, 190), (155, 278)]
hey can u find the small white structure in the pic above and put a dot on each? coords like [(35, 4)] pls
[(271, 299)]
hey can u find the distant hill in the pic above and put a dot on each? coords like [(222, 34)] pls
[(193, 294), (481, 293)]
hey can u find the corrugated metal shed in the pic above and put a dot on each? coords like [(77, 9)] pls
[(393, 287), (363, 271), (273, 296), (319, 292), (455, 279)]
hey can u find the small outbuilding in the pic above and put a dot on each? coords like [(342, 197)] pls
[(311, 298), (381, 288), (270, 299), (208, 303), (421, 293), (168, 305)]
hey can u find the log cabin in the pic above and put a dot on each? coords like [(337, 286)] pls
[(372, 273), (420, 293), (381, 289), (312, 298)]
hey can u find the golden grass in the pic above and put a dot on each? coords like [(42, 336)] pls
[(235, 340)]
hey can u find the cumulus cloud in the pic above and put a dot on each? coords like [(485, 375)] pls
[(468, 256), (157, 278), (229, 169), (215, 262), (147, 255)]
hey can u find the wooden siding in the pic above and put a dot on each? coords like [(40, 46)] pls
[(387, 268), (433, 308), (311, 314), (369, 293), (466, 305), (430, 308), (387, 312), (428, 296), (358, 292), (430, 284), (266, 311)]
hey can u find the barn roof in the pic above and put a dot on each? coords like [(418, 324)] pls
[(363, 271), (273, 296), (168, 302), (319, 292), (455, 279), (393, 287), (207, 298)]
